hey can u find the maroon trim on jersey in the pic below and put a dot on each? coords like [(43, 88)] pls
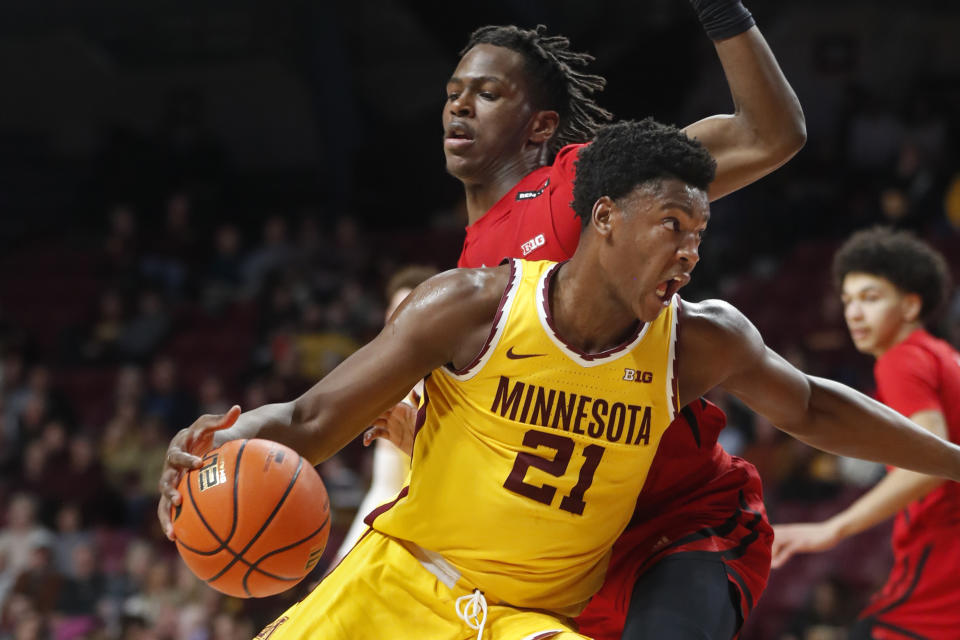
[(344, 556), (421, 418), (385, 507), (549, 315), (675, 382), (493, 328), (422, 410)]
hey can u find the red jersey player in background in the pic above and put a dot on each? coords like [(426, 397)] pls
[(891, 283), (519, 109)]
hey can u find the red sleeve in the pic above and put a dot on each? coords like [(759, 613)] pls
[(566, 224), (907, 380)]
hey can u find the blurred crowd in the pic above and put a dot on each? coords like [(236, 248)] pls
[(150, 320)]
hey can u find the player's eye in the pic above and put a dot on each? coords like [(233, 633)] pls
[(453, 95), (486, 95)]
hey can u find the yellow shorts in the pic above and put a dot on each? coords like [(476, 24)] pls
[(380, 590)]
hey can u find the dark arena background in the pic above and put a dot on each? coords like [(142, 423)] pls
[(200, 203)]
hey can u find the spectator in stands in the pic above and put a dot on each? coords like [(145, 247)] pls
[(98, 341), (40, 580), (121, 247), (76, 612), (173, 248), (165, 398), (273, 254), (69, 534), (144, 332), (82, 480), (20, 536), (223, 277)]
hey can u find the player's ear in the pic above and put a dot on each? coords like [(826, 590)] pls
[(601, 217), (911, 304), (543, 126)]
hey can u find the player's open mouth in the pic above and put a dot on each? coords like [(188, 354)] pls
[(458, 130), (667, 288)]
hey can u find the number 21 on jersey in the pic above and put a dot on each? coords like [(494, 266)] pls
[(555, 465)]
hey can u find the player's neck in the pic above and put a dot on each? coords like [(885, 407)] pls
[(585, 315), (902, 334), (485, 191)]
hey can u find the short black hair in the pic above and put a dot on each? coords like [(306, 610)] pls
[(556, 77), (912, 265), (629, 153)]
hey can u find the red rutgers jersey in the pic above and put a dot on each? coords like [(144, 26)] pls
[(921, 598), (923, 373), (533, 221), (697, 499)]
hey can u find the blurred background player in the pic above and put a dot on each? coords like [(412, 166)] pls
[(391, 465), (892, 283)]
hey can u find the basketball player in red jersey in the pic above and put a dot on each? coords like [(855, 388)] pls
[(519, 110), (891, 282)]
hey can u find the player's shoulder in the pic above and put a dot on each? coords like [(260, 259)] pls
[(469, 290), (908, 354), (566, 159), (713, 316), (716, 330)]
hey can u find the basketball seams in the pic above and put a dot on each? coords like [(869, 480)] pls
[(254, 567), (266, 523), (268, 570), (224, 544)]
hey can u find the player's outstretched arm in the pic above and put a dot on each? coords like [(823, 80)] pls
[(891, 495), (729, 352), (767, 126), (446, 319)]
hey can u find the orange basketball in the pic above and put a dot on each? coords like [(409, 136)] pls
[(254, 518)]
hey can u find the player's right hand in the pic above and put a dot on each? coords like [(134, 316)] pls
[(396, 424), (789, 539), (185, 453)]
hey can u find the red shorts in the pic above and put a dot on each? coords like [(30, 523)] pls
[(921, 598), (728, 522)]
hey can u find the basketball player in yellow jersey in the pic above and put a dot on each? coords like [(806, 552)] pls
[(548, 389)]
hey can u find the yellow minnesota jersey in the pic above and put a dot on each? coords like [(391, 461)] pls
[(528, 462)]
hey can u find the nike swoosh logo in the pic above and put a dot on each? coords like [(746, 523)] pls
[(521, 356)]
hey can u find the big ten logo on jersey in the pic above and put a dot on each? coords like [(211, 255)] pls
[(212, 472), (632, 375), (533, 243)]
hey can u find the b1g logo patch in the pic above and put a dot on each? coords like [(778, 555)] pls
[(212, 473), (633, 375), (533, 243)]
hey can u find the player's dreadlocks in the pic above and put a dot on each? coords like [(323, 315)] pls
[(558, 83)]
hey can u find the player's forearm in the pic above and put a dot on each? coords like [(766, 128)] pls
[(767, 127), (271, 422), (891, 495), (766, 108), (843, 421)]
